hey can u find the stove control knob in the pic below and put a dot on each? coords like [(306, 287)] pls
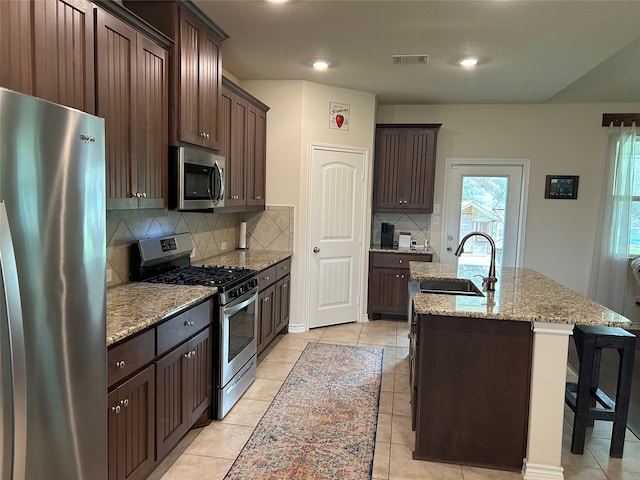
[(233, 294)]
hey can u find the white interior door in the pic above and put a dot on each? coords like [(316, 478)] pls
[(336, 218), (488, 196)]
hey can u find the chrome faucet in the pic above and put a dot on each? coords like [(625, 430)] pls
[(489, 282)]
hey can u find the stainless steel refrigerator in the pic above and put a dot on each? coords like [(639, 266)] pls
[(53, 407)]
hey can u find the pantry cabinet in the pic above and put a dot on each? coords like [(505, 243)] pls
[(47, 50), (404, 171), (196, 69), (132, 96), (389, 283), (243, 130)]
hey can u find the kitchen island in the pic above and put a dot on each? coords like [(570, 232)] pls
[(492, 368)]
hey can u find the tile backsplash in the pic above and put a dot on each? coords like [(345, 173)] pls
[(416, 224), (271, 229)]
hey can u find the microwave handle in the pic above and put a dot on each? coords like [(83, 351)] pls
[(220, 194)]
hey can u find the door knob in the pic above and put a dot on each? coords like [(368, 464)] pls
[(316, 249)]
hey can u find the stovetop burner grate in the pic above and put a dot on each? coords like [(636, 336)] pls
[(203, 275)]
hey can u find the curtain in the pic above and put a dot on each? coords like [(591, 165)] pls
[(610, 266)]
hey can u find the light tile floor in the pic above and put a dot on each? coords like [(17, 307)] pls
[(207, 453)]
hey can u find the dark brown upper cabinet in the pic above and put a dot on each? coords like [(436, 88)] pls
[(196, 69), (243, 135), (47, 50), (404, 172), (132, 96)]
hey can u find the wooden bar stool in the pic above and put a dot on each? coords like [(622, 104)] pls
[(587, 401)]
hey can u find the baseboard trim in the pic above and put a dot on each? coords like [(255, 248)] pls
[(536, 471)]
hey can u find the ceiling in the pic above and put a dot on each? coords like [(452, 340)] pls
[(529, 51)]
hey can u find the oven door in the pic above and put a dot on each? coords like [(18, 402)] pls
[(238, 334)]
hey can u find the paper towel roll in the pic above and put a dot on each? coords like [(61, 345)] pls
[(242, 241)]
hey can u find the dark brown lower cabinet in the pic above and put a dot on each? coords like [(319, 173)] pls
[(283, 301), (274, 284), (389, 283), (266, 317), (183, 390), (131, 427), (472, 392)]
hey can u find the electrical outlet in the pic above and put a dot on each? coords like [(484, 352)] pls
[(435, 219), (223, 246), (436, 208), (109, 275)]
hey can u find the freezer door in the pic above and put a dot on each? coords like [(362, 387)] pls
[(13, 394), (52, 182)]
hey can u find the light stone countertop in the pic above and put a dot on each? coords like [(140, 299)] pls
[(133, 307), (521, 294), (251, 259)]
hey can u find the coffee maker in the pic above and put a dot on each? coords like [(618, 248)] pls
[(386, 235)]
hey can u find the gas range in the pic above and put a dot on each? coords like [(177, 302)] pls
[(166, 260)]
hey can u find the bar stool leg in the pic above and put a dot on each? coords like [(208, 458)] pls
[(625, 370), (583, 396)]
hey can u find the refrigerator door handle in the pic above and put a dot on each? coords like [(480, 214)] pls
[(15, 329)]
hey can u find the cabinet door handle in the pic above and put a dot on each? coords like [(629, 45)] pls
[(285, 268), (187, 355), (397, 276), (266, 277), (400, 260), (189, 323), (144, 194), (116, 409), (193, 353), (120, 364), (125, 402)]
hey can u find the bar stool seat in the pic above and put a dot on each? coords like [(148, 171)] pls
[(587, 401)]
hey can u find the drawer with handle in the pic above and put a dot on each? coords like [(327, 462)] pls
[(283, 268), (398, 260), (130, 355), (182, 327), (266, 277)]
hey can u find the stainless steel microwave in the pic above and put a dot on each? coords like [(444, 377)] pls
[(196, 179)]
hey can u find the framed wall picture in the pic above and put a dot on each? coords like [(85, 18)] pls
[(561, 187), (339, 114)]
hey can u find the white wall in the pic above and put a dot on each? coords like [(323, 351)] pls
[(298, 117), (562, 139)]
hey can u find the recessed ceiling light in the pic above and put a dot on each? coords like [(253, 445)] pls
[(469, 62), (320, 65)]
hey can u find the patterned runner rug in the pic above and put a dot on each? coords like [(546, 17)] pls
[(322, 423)]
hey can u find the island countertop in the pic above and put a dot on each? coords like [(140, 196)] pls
[(521, 294)]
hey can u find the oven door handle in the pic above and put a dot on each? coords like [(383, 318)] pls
[(230, 310)]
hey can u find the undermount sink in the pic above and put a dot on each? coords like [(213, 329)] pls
[(450, 287)]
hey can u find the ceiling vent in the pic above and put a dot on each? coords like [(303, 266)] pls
[(402, 59)]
